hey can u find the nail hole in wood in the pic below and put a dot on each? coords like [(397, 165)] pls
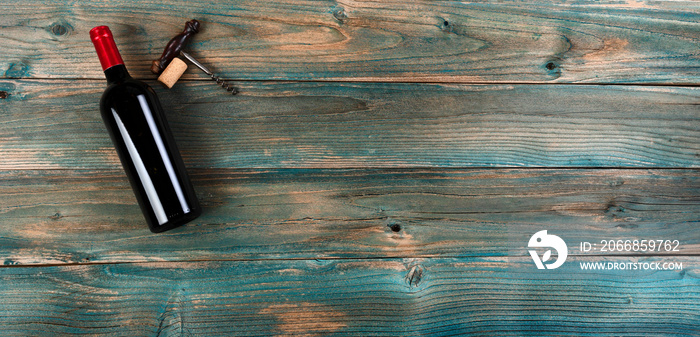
[(551, 65), (3, 94), (395, 227)]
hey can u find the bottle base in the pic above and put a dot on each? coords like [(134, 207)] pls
[(174, 223)]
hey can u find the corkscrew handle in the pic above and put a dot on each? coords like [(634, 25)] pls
[(174, 46)]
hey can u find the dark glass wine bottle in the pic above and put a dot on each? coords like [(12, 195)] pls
[(145, 145)]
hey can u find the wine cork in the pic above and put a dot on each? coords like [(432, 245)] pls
[(172, 72)]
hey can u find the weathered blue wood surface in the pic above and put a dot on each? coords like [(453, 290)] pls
[(421, 41), (340, 125), (378, 297), (380, 173), (68, 217)]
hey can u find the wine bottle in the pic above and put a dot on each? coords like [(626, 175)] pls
[(137, 126)]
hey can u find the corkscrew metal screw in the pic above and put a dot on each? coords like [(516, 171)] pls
[(171, 68), (218, 80)]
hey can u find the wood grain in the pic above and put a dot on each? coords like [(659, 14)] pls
[(60, 217), (390, 297), (56, 125), (435, 41), (380, 173)]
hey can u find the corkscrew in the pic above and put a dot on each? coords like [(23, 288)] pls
[(171, 67), (218, 80)]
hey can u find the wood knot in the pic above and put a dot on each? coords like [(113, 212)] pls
[(17, 70), (339, 14), (446, 25), (553, 68), (4, 94), (59, 30), (615, 182), (414, 276), (613, 207)]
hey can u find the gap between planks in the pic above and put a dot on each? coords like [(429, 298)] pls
[(263, 169), (332, 259), (384, 81)]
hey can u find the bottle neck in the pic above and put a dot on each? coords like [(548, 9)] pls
[(109, 56), (116, 74)]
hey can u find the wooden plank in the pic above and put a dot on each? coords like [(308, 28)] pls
[(393, 297), (436, 41), (56, 125), (59, 217)]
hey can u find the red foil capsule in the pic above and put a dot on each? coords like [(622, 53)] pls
[(106, 49)]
